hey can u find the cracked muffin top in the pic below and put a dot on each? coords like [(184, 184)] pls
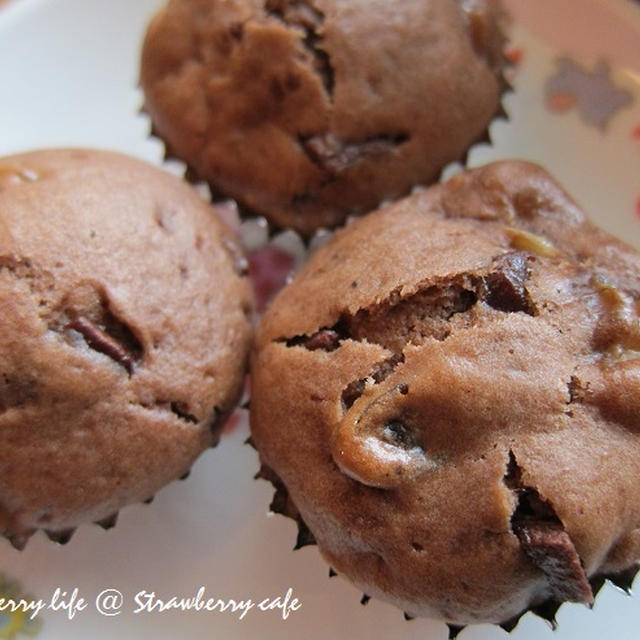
[(124, 330), (306, 111), (448, 397)]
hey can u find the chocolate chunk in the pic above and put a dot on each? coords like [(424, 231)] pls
[(323, 149), (380, 372), (99, 340), (551, 549), (87, 310), (334, 155), (325, 340), (504, 287), (545, 542), (386, 367)]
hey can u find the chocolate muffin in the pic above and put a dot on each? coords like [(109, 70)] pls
[(124, 330), (448, 397), (306, 111)]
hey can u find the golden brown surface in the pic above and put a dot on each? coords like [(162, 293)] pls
[(309, 110), (450, 392), (123, 335)]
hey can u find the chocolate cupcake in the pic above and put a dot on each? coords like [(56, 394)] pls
[(124, 329), (307, 111), (447, 397)]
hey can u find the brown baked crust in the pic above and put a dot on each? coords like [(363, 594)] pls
[(124, 332), (463, 438), (307, 111)]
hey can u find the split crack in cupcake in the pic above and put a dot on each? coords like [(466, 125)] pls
[(447, 397)]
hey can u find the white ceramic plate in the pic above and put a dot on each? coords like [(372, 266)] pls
[(68, 71)]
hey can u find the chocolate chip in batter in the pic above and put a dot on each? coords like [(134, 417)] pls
[(551, 549), (334, 155), (85, 315), (504, 287), (99, 340), (545, 542), (323, 340), (379, 373)]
